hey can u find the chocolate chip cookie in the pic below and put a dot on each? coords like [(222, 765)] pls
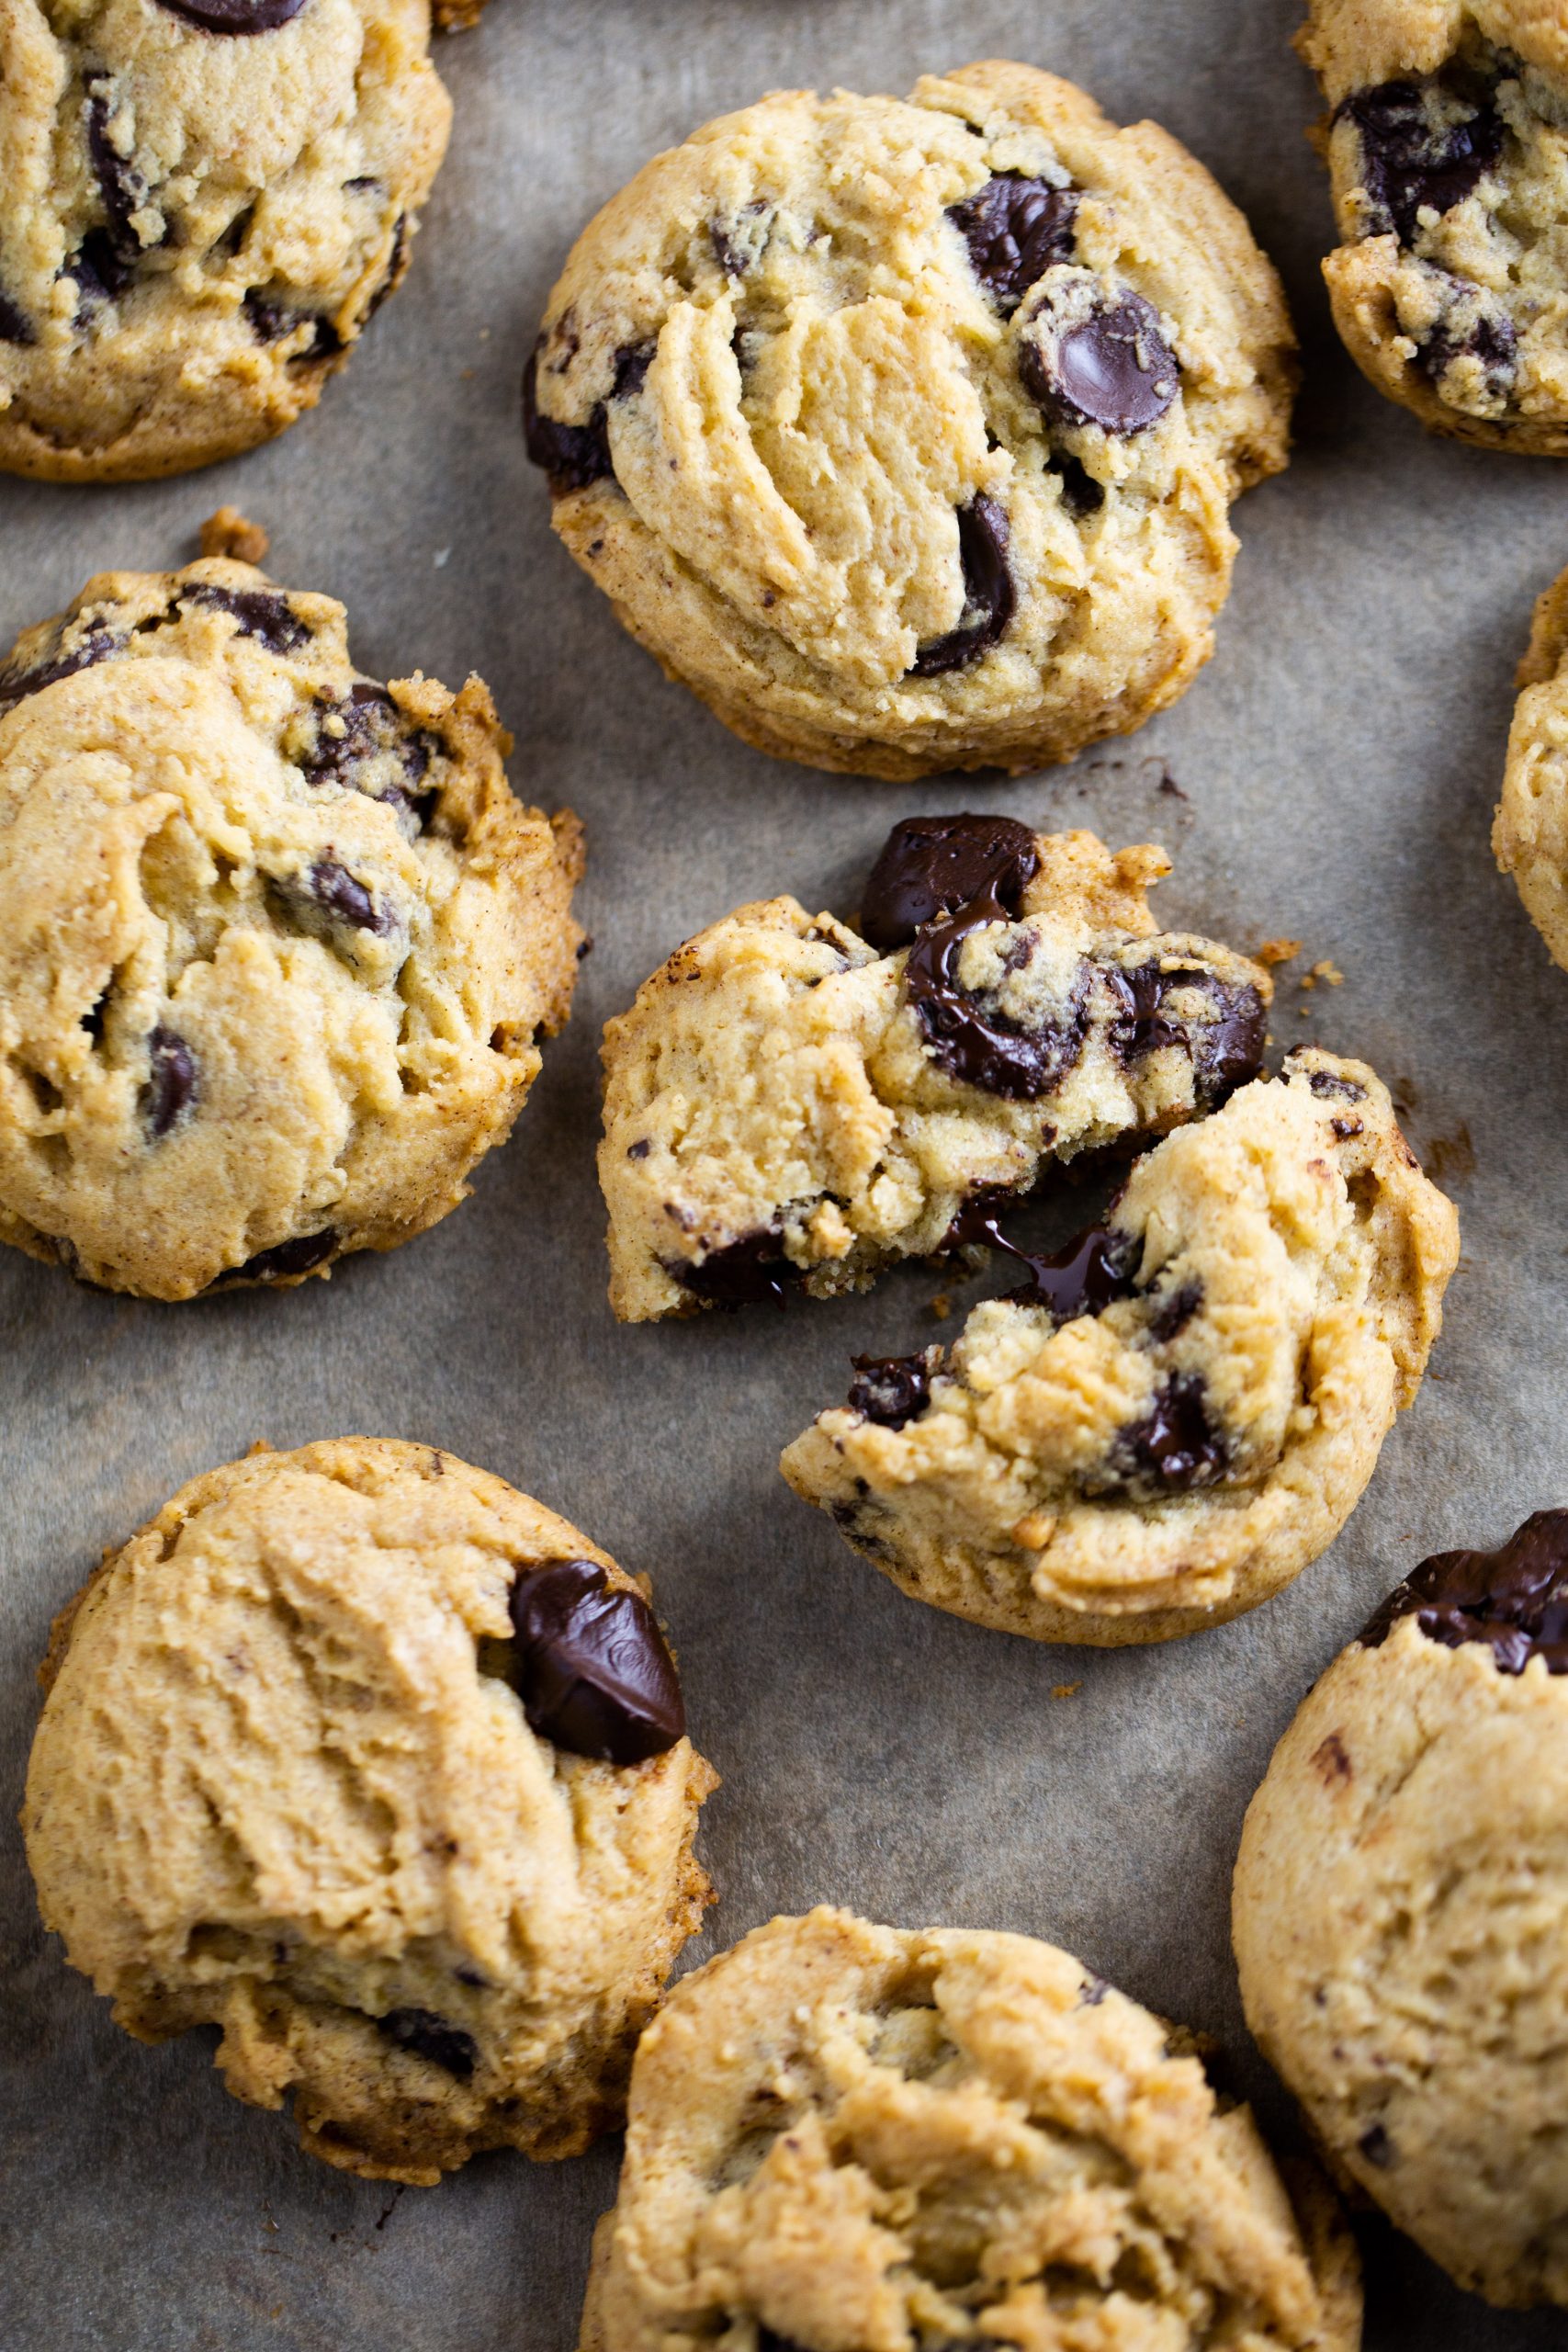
[(380, 1767), (1172, 1416), (905, 433), (1447, 146), (845, 2138), (1401, 1911), (796, 1100), (1529, 838), (276, 941), (202, 202)]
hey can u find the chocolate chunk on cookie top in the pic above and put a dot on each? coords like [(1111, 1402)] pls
[(205, 203), (1400, 1910), (904, 432), (787, 1108), (1167, 1419), (304, 997), (1447, 142), (847, 2138), (380, 1768)]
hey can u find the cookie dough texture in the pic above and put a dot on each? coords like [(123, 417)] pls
[(197, 224), (821, 471), (1169, 1460), (773, 1077), (1401, 1924), (1448, 148), (273, 1788), (1529, 838), (845, 2138), (275, 942)]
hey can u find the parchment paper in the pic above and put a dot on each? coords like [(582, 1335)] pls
[(1339, 763)]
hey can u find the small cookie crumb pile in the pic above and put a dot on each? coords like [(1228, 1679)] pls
[(378, 1765), (276, 941), (1401, 1912), (905, 433), (845, 2138)]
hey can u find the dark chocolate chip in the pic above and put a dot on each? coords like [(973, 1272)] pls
[(429, 2036), (1084, 1276), (1515, 1599), (734, 254), (1376, 2146), (343, 897), (935, 865), (1471, 326), (640, 1149), (100, 271), (1094, 1991), (1325, 1082), (1174, 1312), (1227, 1050), (15, 326), (1113, 367), (171, 1087), (97, 646), (234, 16), (569, 455), (262, 612), (271, 320), (120, 184), (1175, 1446), (973, 1044), (989, 596), (374, 730), (396, 262), (1015, 228), (592, 1670), (299, 1255), (743, 1274), (94, 1019), (1081, 495), (891, 1390), (632, 364), (1411, 161)]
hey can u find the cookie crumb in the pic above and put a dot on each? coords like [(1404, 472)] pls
[(1034, 1531), (1324, 970), (1279, 951), (1066, 1689), (457, 16), (227, 533), (941, 1305)]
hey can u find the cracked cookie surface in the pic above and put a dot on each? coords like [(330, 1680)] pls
[(287, 1780), (1178, 1412), (1448, 149), (1401, 1912), (905, 433), (846, 2138), (205, 201), (787, 1101), (276, 941)]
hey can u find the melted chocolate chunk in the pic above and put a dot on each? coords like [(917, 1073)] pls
[(572, 456), (13, 326), (262, 612), (1015, 228), (234, 16), (1468, 329), (891, 1390), (171, 1087), (632, 364), (120, 184), (743, 1274), (429, 2036), (1085, 1275), (1515, 1599), (272, 319), (989, 598), (930, 866), (344, 898), (979, 1047), (299, 1255), (1325, 1083), (1113, 369), (1176, 1446), (1081, 495), (1226, 1050), (592, 1670), (100, 270), (1410, 162), (373, 726), (1174, 1312), (97, 646)]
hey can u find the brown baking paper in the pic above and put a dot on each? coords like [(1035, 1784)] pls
[(1336, 766)]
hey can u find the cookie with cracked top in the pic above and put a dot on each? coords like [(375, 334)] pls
[(1447, 140), (903, 432), (1167, 1420), (1401, 1911), (378, 1766), (205, 203), (844, 2138), (796, 1100), (301, 999)]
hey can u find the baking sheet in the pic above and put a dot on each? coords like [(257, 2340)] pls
[(1337, 764)]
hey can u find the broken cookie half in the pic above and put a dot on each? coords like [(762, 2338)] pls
[(795, 1099), (1180, 1410)]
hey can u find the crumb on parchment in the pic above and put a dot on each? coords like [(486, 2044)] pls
[(227, 533)]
